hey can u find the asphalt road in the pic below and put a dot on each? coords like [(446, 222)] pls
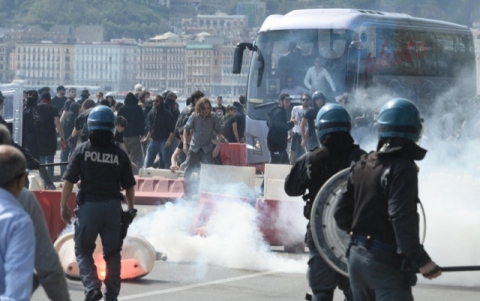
[(184, 281)]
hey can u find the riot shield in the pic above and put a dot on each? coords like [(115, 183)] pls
[(331, 242)]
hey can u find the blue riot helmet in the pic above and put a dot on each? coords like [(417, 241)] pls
[(101, 118), (399, 118), (332, 117)]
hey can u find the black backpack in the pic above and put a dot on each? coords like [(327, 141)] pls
[(182, 119)]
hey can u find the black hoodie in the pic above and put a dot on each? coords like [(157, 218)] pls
[(134, 115)]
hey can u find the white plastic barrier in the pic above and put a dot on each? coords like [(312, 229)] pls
[(35, 181), (219, 178), (274, 176), (155, 172), (138, 257)]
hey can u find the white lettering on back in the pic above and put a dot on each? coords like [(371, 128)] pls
[(101, 157)]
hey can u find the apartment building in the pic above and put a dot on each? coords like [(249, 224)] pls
[(161, 65), (110, 65), (44, 63), (202, 68)]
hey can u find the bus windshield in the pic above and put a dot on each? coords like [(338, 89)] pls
[(282, 59)]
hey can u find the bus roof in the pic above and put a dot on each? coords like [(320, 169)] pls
[(347, 18)]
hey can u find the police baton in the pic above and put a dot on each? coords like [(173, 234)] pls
[(466, 268), (53, 164)]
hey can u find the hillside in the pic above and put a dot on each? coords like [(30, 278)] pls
[(142, 19)]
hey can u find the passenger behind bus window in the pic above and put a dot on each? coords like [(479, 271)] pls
[(293, 89), (288, 64), (317, 78)]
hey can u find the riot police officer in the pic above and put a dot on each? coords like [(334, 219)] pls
[(103, 169), (379, 209), (309, 173)]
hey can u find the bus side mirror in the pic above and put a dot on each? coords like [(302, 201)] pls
[(238, 56)]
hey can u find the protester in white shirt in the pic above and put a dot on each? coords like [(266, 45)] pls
[(316, 77)]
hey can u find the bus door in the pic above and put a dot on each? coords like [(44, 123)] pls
[(12, 110)]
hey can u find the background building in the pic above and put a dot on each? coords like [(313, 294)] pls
[(112, 65), (161, 65), (45, 63), (255, 11)]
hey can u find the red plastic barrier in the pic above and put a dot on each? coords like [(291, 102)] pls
[(49, 201), (206, 206), (158, 190), (235, 154), (276, 228)]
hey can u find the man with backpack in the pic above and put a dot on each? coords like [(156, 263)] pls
[(189, 109), (278, 127)]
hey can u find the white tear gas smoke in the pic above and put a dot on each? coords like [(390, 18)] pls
[(449, 182), (232, 239)]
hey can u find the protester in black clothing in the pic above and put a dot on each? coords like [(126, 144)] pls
[(72, 93), (47, 132), (220, 110), (68, 124), (84, 96), (307, 126), (241, 121), (31, 121), (161, 133), (58, 101), (230, 128), (378, 208), (278, 127), (81, 128), (135, 128)]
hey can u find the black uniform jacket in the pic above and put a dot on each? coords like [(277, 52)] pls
[(381, 196), (104, 171), (313, 169)]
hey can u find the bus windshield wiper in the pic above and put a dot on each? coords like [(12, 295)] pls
[(262, 105)]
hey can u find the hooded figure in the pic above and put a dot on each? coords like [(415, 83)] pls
[(135, 128)]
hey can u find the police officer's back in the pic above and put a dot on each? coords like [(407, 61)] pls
[(309, 173), (379, 209), (103, 169)]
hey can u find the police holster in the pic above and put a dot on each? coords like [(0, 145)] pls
[(127, 218), (308, 206)]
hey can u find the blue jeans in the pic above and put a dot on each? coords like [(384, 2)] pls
[(158, 147), (65, 154), (373, 280), (322, 279), (94, 218), (48, 159)]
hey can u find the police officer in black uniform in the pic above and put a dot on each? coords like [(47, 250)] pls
[(103, 169), (379, 209), (307, 176)]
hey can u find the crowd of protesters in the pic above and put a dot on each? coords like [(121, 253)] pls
[(150, 127)]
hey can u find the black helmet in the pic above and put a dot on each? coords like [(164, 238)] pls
[(165, 93), (318, 95)]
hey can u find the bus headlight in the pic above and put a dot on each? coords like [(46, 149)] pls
[(257, 147)]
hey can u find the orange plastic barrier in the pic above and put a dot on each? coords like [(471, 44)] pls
[(235, 154), (275, 227), (206, 206), (49, 201), (158, 190)]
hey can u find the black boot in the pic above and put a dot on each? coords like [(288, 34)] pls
[(94, 295)]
